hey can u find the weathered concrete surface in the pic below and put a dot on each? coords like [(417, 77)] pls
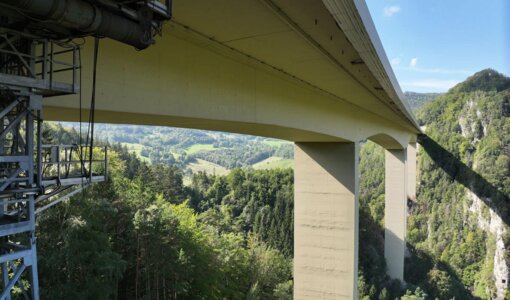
[(395, 211), (325, 220)]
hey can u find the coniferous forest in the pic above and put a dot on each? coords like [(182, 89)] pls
[(156, 231), (457, 229), (144, 235)]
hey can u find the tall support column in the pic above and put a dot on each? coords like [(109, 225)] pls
[(326, 220), (395, 212), (411, 171)]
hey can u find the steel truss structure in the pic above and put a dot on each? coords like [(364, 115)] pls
[(33, 174)]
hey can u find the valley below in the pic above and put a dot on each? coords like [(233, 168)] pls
[(191, 214)]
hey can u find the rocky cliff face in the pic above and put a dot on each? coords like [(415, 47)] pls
[(474, 124), (493, 225), (458, 228), (464, 194)]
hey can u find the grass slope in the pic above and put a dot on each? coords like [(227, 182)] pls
[(274, 162), (210, 168), (200, 147)]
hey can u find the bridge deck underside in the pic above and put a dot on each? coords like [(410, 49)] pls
[(273, 68)]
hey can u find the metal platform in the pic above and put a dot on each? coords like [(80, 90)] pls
[(38, 59), (71, 164), (43, 66), (34, 176)]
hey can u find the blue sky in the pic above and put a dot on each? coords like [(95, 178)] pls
[(434, 44)]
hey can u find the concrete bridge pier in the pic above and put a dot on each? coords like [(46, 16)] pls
[(326, 216), (400, 186), (326, 220), (395, 211)]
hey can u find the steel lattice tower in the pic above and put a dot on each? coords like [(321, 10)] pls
[(38, 59), (31, 174)]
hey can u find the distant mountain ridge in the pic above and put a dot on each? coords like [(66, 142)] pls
[(486, 80), (417, 100)]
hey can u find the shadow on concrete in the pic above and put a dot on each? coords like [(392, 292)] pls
[(336, 159), (464, 175)]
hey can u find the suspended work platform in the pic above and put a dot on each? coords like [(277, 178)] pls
[(34, 176), (39, 59)]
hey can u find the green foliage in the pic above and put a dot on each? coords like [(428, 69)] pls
[(451, 255), (76, 256), (181, 147), (137, 237), (259, 201), (417, 295), (417, 100), (471, 122), (485, 80), (145, 235)]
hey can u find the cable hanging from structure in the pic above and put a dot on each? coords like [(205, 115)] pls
[(91, 120)]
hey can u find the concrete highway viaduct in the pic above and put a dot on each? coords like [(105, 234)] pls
[(308, 71)]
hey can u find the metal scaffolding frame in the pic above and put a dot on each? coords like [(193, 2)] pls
[(38, 59), (32, 174)]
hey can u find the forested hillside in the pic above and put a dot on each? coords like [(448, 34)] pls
[(417, 100), (145, 235), (461, 218), (197, 150), (458, 228)]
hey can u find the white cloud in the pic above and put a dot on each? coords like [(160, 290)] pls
[(391, 10), (413, 62), (434, 84), (395, 61)]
